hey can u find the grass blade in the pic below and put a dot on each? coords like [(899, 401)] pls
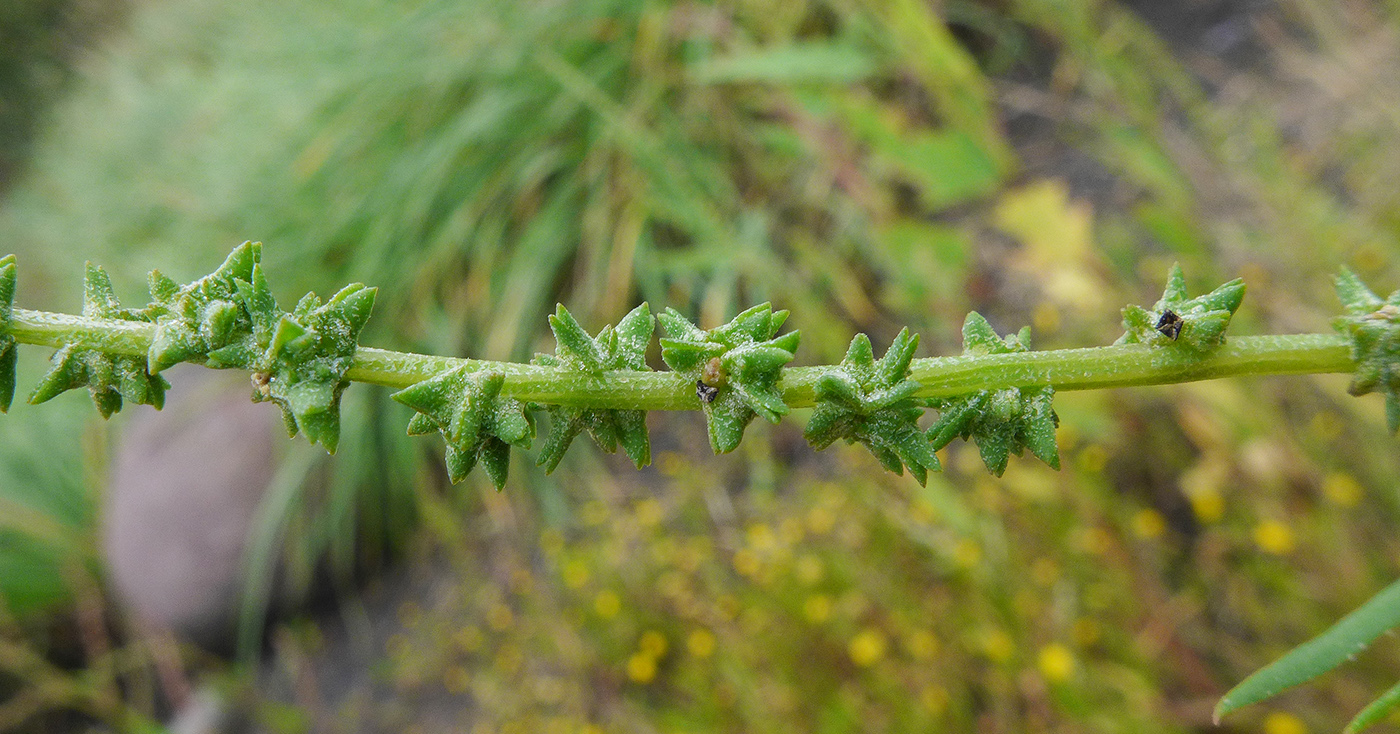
[(1375, 711), (1333, 647)]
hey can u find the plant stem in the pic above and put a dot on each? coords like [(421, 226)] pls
[(1063, 369)]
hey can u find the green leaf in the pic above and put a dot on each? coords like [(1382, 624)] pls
[(978, 336), (1373, 327), (623, 348), (9, 355), (477, 423), (496, 456), (766, 401), (574, 343), (860, 359), (894, 366), (163, 289), (633, 335), (821, 62), (1202, 320), (752, 361), (839, 387), (1336, 645), (352, 305), (564, 426), (684, 356), (9, 352), (173, 343), (1176, 285), (954, 419), (874, 405), (98, 299), (725, 424), (459, 463), (679, 327), (109, 378), (755, 363), (632, 435), (1226, 297), (1375, 711), (1354, 295), (1040, 426)]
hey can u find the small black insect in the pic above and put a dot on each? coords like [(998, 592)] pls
[(1170, 324), (706, 393)]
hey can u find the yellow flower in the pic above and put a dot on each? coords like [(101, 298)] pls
[(867, 647), (1045, 572), (641, 668), (1208, 506), (595, 513), (701, 643), (1095, 540), (997, 645), (745, 562), (410, 614), (649, 512), (922, 645), (671, 463), (1274, 537), (1056, 663), (576, 574), (791, 530), (1341, 489), (817, 608), (934, 699), (551, 541), (809, 569), (820, 520), (1280, 722), (606, 604), (509, 658), (1149, 524), (761, 537), (653, 643), (1046, 318)]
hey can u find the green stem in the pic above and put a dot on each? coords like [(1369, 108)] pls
[(1064, 369)]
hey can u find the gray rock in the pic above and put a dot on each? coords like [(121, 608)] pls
[(183, 492)]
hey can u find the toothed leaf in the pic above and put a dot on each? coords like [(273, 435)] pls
[(978, 336), (573, 342), (873, 404), (632, 435), (1373, 327), (1354, 295), (472, 415), (1196, 325), (894, 366), (496, 456), (726, 424)]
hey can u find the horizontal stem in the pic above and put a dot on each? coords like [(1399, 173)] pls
[(60, 329), (1064, 369)]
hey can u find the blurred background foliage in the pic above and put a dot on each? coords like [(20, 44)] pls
[(866, 164)]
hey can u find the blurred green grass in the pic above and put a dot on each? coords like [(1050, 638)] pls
[(867, 165)]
